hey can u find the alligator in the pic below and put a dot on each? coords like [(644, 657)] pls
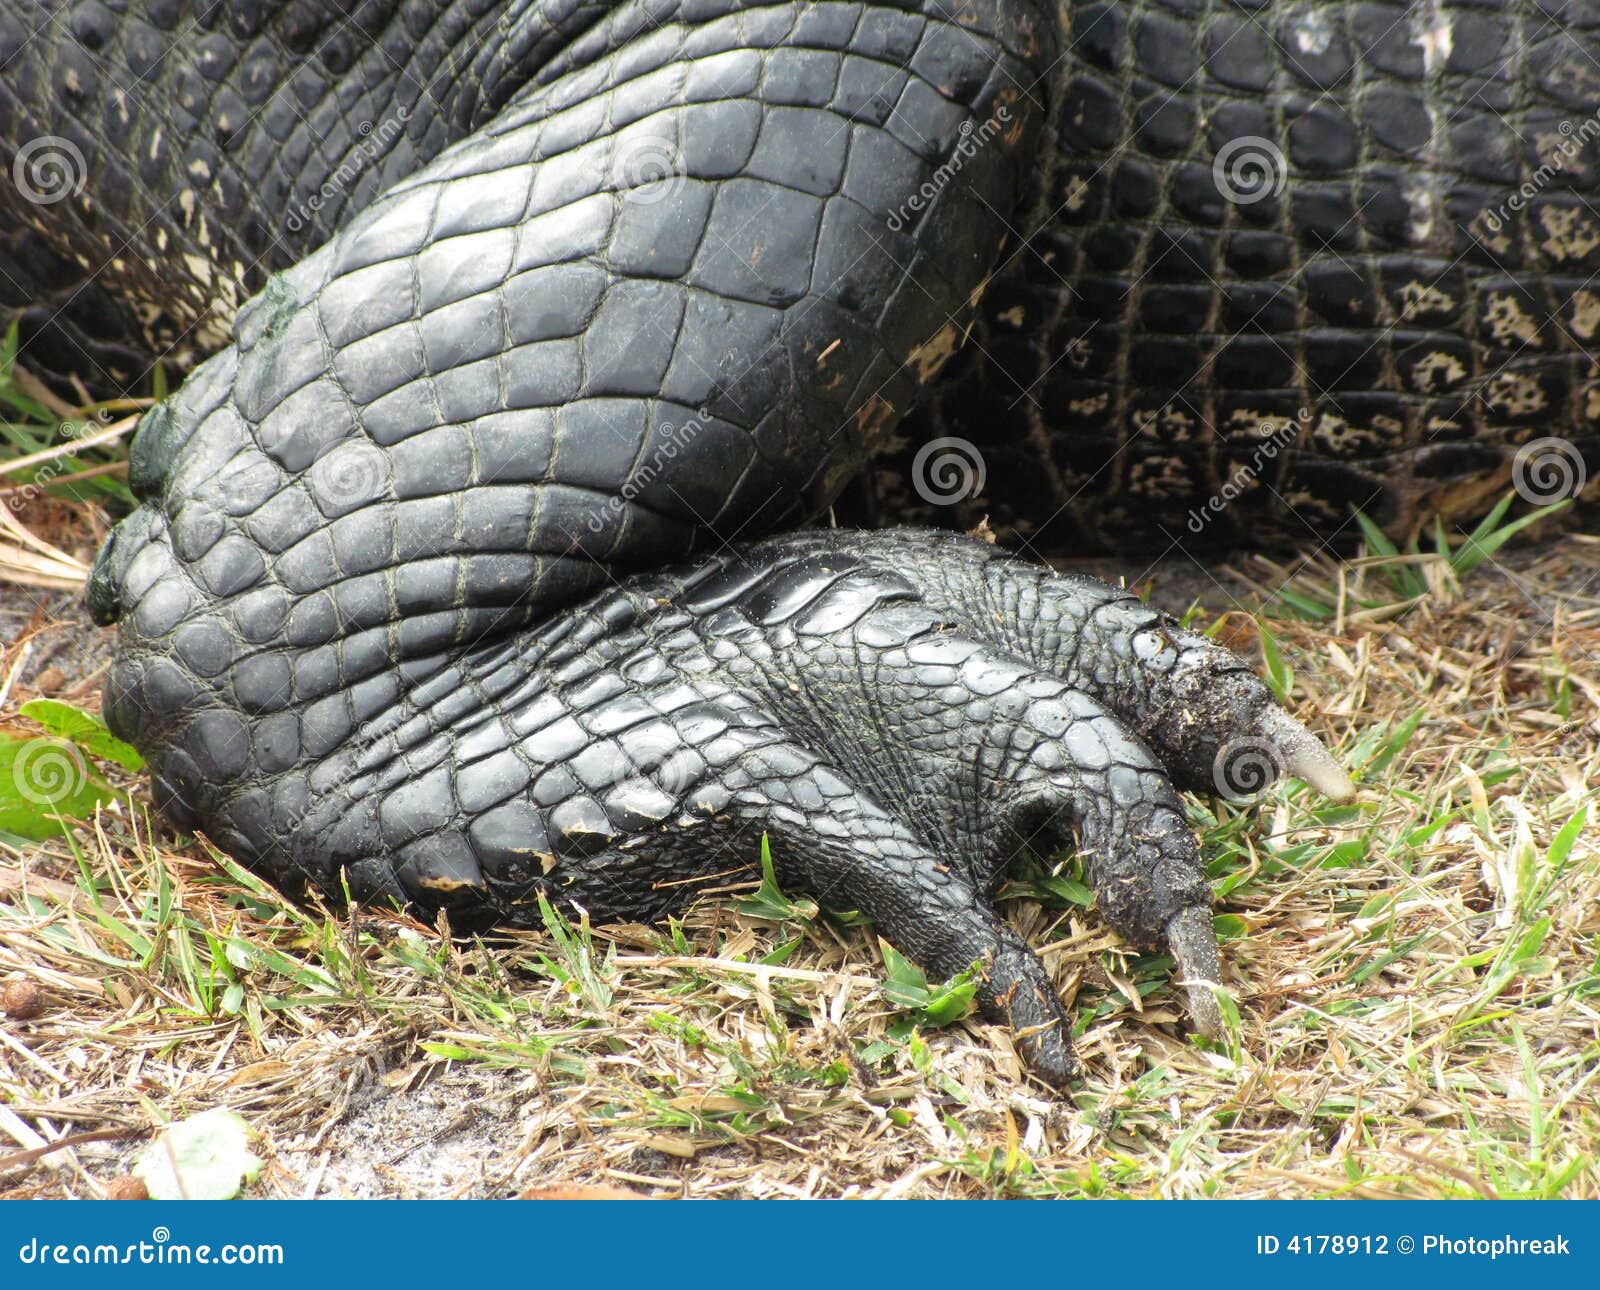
[(471, 567)]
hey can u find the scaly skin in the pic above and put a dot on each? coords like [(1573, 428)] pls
[(1403, 286), (1403, 295), (386, 611)]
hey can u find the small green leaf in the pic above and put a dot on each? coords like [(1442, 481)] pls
[(84, 729), (780, 954), (1489, 536), (206, 1157), (1304, 606), (1521, 959), (1232, 1029), (769, 901), (951, 1001), (1280, 676), (1561, 845), (450, 1052), (906, 986), (1230, 927), (42, 782), (1067, 889), (1376, 539), (1378, 964)]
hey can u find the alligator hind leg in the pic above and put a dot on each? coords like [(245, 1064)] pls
[(965, 706), (924, 867), (912, 711)]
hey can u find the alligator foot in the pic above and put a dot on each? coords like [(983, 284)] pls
[(900, 713), (962, 706)]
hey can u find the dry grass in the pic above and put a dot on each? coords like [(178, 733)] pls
[(1417, 976)]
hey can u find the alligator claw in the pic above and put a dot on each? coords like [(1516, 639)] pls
[(1304, 756), (1199, 966)]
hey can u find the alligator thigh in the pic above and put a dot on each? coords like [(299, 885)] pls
[(676, 291)]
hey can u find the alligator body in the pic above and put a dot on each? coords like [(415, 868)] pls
[(516, 303)]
